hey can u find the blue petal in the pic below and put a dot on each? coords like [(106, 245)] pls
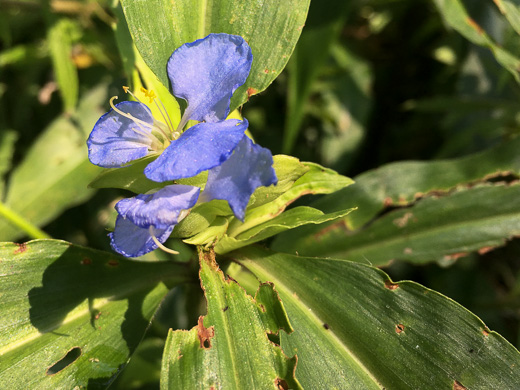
[(248, 168), (206, 73), (199, 148), (113, 142), (134, 241), (160, 209)]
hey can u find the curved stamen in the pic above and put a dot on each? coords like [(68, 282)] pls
[(155, 143), (126, 115), (160, 245)]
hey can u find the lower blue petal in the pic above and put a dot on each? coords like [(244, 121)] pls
[(117, 140), (250, 167), (201, 147), (130, 240), (160, 209)]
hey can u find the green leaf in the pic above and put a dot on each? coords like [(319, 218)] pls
[(270, 27), (68, 304), (230, 348), (511, 10), (402, 183), (355, 329), (290, 219), (60, 45), (7, 140), (456, 16), (130, 178), (55, 173), (436, 228)]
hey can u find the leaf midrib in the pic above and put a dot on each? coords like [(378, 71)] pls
[(280, 286)]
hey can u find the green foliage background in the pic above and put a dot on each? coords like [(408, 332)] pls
[(430, 84)]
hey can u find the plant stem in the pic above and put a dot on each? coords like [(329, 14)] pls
[(20, 222)]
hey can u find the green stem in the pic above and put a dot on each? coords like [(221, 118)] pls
[(20, 222)]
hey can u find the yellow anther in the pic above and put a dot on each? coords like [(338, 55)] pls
[(125, 89), (150, 94)]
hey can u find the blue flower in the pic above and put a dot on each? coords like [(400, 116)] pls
[(146, 221), (205, 73)]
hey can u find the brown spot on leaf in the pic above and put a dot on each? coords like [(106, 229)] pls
[(21, 248), (281, 384), (262, 307), (474, 25), (399, 328), (485, 332), (226, 308), (391, 285), (205, 334), (86, 261), (326, 326), (251, 91), (458, 386), (340, 225), (455, 256), (266, 71), (486, 249), (408, 251), (388, 201), (403, 221), (113, 263)]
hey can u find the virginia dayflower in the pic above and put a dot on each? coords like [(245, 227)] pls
[(205, 73)]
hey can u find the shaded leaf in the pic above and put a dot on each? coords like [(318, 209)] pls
[(59, 298), (443, 228), (55, 173), (230, 348), (60, 45), (322, 29), (402, 183), (356, 329)]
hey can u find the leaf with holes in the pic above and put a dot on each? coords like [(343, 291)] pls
[(230, 348), (270, 27), (443, 228), (72, 316), (400, 184), (356, 329)]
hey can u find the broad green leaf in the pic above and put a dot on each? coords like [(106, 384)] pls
[(55, 173), (60, 45), (436, 228), (60, 299), (356, 329), (322, 28), (456, 16), (290, 219), (230, 348), (270, 27), (402, 183)]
